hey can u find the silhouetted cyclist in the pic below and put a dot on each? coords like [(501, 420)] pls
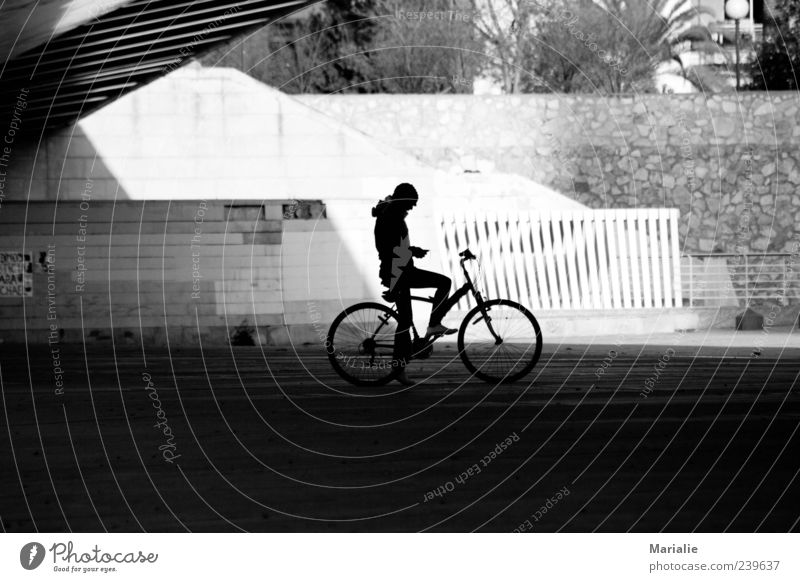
[(398, 273)]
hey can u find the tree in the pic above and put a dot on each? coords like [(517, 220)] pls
[(689, 51), (363, 46), (505, 27), (777, 61), (319, 49), (582, 45), (431, 55)]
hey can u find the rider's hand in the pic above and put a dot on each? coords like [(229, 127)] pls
[(417, 252)]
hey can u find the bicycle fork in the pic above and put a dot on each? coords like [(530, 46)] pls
[(487, 318)]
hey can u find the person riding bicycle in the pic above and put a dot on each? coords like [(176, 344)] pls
[(398, 273)]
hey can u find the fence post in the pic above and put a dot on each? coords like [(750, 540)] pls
[(746, 283), (691, 281), (783, 288)]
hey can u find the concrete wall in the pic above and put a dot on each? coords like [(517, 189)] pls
[(216, 133), (183, 272), (248, 153), (729, 162), (219, 136), (193, 272), (210, 133)]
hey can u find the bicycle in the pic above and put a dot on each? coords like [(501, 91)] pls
[(505, 348)]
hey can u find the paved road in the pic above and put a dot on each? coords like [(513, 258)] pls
[(272, 441)]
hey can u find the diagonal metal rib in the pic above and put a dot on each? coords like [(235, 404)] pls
[(93, 64)]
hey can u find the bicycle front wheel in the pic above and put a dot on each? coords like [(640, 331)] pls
[(500, 341), (361, 344)]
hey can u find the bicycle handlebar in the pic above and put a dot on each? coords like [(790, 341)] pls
[(466, 255)]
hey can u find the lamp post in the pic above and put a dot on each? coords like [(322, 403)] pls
[(737, 9)]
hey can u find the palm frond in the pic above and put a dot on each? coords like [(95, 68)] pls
[(695, 33), (707, 47)]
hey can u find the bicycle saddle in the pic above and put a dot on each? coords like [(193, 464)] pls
[(467, 255), (390, 296)]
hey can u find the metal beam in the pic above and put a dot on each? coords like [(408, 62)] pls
[(93, 64)]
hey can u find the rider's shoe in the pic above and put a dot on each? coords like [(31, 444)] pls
[(404, 379), (440, 330)]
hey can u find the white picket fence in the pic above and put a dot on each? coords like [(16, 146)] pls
[(592, 259)]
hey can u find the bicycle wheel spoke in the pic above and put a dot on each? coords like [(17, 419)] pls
[(363, 339), (519, 343)]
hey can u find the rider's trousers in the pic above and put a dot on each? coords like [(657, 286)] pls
[(414, 278)]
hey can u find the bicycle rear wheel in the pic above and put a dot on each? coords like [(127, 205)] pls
[(500, 341), (361, 344)]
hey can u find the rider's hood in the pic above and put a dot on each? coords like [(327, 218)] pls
[(382, 207)]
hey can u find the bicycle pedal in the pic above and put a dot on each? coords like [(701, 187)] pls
[(436, 336), (422, 348)]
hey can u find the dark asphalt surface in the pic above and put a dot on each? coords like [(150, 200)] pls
[(267, 439)]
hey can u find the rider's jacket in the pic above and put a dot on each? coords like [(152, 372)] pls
[(391, 241)]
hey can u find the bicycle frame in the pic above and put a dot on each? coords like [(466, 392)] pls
[(467, 287), (381, 342)]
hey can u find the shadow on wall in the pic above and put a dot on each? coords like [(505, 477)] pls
[(187, 272), (66, 166), (106, 264), (331, 263)]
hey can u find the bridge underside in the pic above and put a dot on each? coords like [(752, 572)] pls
[(64, 59)]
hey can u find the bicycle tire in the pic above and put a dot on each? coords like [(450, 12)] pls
[(341, 354), (529, 331)]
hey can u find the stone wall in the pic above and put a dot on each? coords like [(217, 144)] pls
[(729, 162)]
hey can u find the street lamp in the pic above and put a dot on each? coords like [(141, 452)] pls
[(737, 9)]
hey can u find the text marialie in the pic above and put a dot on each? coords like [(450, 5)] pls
[(673, 549)]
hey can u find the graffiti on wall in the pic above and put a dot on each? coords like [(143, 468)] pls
[(16, 274)]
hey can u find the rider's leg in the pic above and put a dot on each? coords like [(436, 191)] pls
[(419, 278), (402, 339)]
